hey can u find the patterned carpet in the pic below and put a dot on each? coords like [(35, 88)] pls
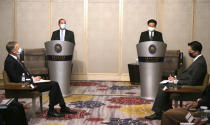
[(98, 103)]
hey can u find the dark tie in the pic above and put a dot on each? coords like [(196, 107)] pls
[(150, 37), (23, 66)]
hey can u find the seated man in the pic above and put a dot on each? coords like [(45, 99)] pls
[(193, 75), (175, 116), (15, 69)]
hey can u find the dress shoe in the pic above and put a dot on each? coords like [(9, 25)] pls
[(67, 110), (54, 113), (154, 116)]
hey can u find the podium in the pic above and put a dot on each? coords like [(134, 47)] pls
[(151, 56), (59, 56)]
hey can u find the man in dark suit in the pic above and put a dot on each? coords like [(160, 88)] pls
[(175, 116), (193, 75), (15, 69), (151, 34), (63, 34)]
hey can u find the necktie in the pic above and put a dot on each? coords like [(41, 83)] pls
[(23, 66), (150, 36)]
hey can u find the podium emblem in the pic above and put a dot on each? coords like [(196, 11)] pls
[(152, 49), (58, 48)]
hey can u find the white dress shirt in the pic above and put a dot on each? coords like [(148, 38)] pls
[(151, 34), (196, 57), (62, 38)]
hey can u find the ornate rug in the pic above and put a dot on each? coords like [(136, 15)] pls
[(97, 103)]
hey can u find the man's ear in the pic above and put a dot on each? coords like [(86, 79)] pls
[(197, 52), (13, 51)]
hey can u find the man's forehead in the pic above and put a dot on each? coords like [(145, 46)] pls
[(63, 21)]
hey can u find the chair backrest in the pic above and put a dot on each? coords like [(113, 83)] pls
[(35, 61), (201, 87), (206, 80), (5, 77), (171, 62)]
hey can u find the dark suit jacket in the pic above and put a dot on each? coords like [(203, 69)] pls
[(69, 35), (145, 36), (14, 69), (194, 75)]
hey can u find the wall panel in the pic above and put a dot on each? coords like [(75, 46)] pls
[(6, 27), (103, 36), (32, 23), (177, 25), (135, 17), (202, 26)]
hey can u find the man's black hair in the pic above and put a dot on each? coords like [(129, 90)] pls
[(196, 46), (152, 21)]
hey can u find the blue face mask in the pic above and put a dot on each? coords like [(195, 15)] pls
[(63, 26), (19, 51)]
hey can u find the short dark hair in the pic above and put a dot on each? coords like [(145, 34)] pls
[(10, 46), (152, 21), (196, 46), (60, 20)]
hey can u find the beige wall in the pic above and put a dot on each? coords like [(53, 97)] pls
[(106, 31)]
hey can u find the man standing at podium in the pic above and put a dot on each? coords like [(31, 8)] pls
[(151, 34), (63, 34)]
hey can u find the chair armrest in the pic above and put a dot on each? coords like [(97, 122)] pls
[(2, 87), (14, 83), (201, 88), (17, 86)]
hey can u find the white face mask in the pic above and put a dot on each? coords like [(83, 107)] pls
[(63, 26), (19, 51), (151, 28)]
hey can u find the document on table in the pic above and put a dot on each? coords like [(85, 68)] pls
[(4, 104), (42, 80), (164, 81)]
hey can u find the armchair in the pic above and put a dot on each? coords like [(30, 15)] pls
[(14, 90), (190, 96)]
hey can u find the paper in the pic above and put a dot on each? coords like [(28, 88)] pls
[(42, 80), (164, 81), (189, 117), (5, 103), (187, 123)]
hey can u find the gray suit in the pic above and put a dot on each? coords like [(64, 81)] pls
[(194, 75)]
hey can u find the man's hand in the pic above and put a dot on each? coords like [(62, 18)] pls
[(200, 121), (192, 105), (37, 78)]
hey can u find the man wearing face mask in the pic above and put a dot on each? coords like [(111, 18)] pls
[(15, 69), (193, 75), (63, 34), (151, 34)]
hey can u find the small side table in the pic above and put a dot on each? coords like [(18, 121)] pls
[(134, 74)]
